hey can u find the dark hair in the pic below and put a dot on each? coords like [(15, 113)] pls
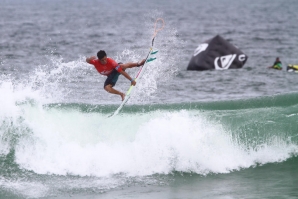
[(101, 54)]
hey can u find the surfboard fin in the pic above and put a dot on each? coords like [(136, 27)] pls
[(154, 52), (151, 59)]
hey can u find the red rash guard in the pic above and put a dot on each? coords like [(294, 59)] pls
[(106, 69)]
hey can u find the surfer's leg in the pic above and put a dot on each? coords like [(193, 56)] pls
[(141, 63), (132, 64), (110, 82), (109, 88)]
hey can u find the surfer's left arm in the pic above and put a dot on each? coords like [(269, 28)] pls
[(133, 82)]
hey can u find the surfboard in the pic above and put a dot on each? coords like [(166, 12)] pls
[(150, 57), (292, 68)]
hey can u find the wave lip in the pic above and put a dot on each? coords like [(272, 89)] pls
[(70, 142)]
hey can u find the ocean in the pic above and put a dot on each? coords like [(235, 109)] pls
[(183, 134)]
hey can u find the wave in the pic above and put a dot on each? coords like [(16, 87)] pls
[(200, 137), (283, 100)]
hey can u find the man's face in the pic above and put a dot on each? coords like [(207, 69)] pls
[(103, 60)]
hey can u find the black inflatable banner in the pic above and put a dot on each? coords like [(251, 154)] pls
[(218, 54)]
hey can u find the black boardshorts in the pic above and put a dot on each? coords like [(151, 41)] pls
[(112, 78)]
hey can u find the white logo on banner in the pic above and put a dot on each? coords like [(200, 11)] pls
[(200, 48), (225, 61), (242, 57)]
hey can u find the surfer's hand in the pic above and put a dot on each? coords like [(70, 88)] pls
[(88, 59), (133, 82)]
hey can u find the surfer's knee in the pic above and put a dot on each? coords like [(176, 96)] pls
[(108, 88)]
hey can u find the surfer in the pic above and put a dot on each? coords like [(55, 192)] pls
[(110, 68), (277, 64)]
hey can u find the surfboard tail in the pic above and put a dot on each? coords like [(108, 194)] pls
[(150, 57)]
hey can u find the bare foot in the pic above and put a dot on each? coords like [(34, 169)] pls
[(122, 96), (142, 62)]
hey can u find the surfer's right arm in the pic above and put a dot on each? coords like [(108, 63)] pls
[(89, 59), (133, 82)]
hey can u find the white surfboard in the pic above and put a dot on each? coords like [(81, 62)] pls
[(150, 57)]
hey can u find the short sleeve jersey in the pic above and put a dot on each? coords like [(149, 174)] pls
[(106, 69)]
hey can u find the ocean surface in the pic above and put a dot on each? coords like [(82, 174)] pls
[(184, 134)]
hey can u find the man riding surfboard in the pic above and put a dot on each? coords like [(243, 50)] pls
[(110, 68)]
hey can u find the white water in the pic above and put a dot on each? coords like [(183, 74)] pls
[(61, 141)]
